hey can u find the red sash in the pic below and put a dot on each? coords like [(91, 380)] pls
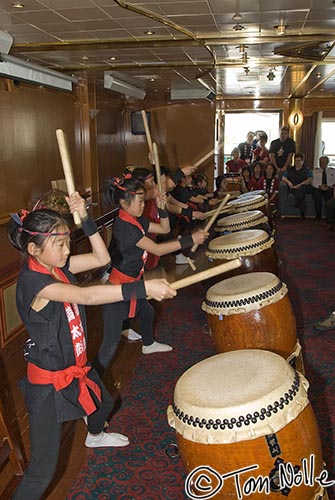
[(117, 277), (63, 378)]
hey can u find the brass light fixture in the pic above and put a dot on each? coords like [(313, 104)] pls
[(281, 29), (271, 76)]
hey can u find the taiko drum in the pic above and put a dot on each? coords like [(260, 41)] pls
[(254, 247), (246, 409), (253, 311), (252, 219)]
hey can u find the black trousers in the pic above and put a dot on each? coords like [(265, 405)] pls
[(318, 194), (45, 438), (300, 197), (330, 211), (113, 316)]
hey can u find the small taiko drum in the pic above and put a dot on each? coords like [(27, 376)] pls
[(245, 429), (253, 311), (252, 219), (233, 182), (254, 247)]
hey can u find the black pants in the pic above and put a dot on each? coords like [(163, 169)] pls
[(113, 317), (300, 197), (318, 194), (45, 438)]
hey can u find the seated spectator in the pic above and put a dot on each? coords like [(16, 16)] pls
[(246, 178), (235, 164), (322, 184), (269, 182), (298, 179), (261, 153), (257, 172)]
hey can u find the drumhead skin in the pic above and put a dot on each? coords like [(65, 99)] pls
[(238, 244), (243, 220), (247, 203), (252, 193), (237, 396), (243, 293)]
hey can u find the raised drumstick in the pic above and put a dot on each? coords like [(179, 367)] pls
[(213, 218), (67, 168), (157, 167), (147, 131), (205, 157)]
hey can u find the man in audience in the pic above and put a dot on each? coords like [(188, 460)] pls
[(298, 179), (281, 151), (246, 148), (322, 184)]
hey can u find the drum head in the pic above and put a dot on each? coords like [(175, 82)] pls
[(252, 193), (237, 396), (241, 220), (239, 244), (243, 293), (251, 198)]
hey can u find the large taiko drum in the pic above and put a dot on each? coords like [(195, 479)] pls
[(252, 193), (252, 219), (233, 182), (253, 311), (243, 419), (254, 247)]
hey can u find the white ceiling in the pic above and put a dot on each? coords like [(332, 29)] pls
[(192, 38)]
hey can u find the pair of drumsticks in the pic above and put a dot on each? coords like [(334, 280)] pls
[(177, 285)]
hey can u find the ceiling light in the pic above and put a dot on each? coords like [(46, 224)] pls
[(17, 5), (271, 76), (246, 70), (84, 58), (152, 79), (242, 48), (149, 32), (281, 29), (238, 27), (113, 58), (318, 74), (237, 17)]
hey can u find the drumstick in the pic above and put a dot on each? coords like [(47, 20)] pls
[(147, 130), (205, 157), (67, 168), (211, 212), (191, 264), (157, 167), (212, 219), (208, 273)]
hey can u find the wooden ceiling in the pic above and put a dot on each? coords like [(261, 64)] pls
[(231, 45)]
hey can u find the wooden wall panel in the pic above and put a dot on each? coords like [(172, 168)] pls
[(110, 134), (29, 117), (183, 132)]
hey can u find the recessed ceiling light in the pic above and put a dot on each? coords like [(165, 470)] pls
[(113, 58), (17, 5), (152, 79), (318, 74), (84, 58), (149, 32), (281, 29)]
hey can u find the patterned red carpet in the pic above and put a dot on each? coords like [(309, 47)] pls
[(143, 471)]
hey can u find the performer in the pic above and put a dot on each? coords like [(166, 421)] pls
[(61, 385), (128, 249), (257, 173), (236, 163)]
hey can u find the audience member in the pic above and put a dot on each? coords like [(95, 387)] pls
[(235, 164), (281, 151), (269, 182), (257, 172), (246, 148), (322, 184), (261, 153), (246, 177), (298, 179)]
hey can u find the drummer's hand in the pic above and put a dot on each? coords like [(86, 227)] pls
[(200, 236), (188, 170), (161, 200), (77, 204), (159, 289), (197, 215)]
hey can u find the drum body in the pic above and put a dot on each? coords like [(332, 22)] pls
[(253, 219), (246, 410), (254, 247), (253, 311), (234, 182)]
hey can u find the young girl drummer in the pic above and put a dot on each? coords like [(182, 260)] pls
[(129, 248), (61, 385)]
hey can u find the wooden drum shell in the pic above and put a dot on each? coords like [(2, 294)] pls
[(297, 440), (272, 328)]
